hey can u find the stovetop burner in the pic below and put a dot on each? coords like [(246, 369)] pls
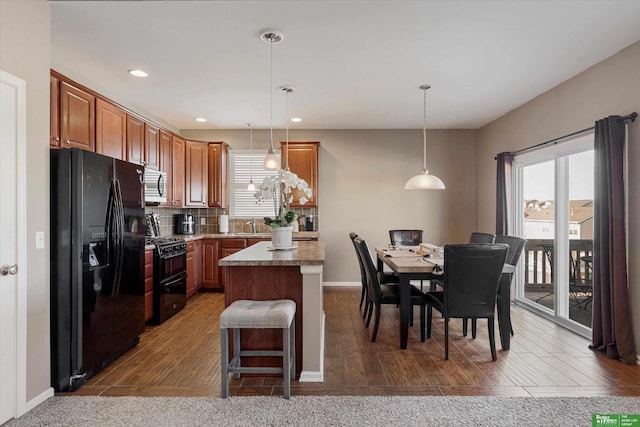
[(166, 246)]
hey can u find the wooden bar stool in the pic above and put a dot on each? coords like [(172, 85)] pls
[(248, 314)]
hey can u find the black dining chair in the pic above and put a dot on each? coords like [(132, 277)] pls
[(387, 278), (477, 237), (379, 294), (516, 247), (471, 278), (405, 237)]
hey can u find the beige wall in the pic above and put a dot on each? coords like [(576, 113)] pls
[(362, 174), (608, 88), (24, 52)]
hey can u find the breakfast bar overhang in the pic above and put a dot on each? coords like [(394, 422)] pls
[(261, 273)]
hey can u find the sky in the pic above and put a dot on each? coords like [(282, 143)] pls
[(539, 178)]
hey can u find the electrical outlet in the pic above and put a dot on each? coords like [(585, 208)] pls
[(203, 221), (39, 239)]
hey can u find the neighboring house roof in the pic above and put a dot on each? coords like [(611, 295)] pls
[(544, 210)]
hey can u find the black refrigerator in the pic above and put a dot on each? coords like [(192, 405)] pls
[(97, 263)]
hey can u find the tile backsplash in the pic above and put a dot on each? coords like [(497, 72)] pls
[(206, 220)]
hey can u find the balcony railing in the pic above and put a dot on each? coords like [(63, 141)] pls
[(538, 258)]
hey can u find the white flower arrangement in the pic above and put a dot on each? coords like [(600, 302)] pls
[(285, 181)]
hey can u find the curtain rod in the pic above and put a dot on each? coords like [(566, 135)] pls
[(631, 117)]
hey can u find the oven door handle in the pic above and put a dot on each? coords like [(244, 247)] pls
[(173, 279)]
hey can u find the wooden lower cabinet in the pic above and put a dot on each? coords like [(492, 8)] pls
[(210, 254), (194, 267), (228, 247), (148, 285)]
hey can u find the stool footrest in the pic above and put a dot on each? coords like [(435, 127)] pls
[(254, 370), (261, 353)]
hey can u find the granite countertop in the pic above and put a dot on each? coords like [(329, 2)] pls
[(306, 253), (296, 235), (198, 236)]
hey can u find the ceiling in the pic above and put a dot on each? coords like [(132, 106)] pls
[(355, 64)]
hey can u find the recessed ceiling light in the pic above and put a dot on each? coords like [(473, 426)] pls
[(296, 119), (138, 73), (200, 119)]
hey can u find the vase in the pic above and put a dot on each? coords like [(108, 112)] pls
[(282, 237)]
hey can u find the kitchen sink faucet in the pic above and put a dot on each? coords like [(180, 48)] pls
[(252, 223)]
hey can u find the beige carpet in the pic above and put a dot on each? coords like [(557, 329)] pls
[(324, 411)]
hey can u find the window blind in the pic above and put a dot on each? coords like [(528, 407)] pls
[(242, 203)]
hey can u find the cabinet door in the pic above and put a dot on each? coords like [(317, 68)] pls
[(197, 263), (196, 174), (166, 163), (135, 140), (222, 273), (178, 171), (54, 112), (151, 146), (303, 161), (191, 283), (111, 130), (210, 279), (77, 118), (148, 285), (218, 155)]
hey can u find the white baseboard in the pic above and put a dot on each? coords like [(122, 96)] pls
[(342, 284), (36, 401)]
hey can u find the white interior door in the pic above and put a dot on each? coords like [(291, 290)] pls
[(12, 140)]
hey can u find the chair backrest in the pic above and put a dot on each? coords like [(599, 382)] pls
[(477, 237), (363, 275), (373, 284), (516, 246), (471, 278), (405, 237)]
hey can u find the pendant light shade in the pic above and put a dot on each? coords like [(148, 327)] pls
[(424, 181), (271, 160), (251, 186)]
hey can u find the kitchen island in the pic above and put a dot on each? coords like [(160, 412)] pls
[(258, 273)]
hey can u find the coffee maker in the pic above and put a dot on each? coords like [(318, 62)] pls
[(184, 224)]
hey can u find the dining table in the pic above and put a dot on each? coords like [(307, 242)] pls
[(409, 265)]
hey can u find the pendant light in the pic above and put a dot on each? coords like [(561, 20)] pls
[(271, 161), (424, 181), (251, 186), (287, 90)]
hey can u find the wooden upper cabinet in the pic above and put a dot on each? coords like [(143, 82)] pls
[(196, 174), (177, 177), (218, 158), (166, 163), (77, 118), (54, 112), (111, 130), (303, 161), (135, 140), (151, 146)]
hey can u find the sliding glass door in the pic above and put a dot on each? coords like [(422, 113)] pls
[(554, 212)]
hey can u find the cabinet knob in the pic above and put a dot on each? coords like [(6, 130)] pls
[(56, 138), (66, 141)]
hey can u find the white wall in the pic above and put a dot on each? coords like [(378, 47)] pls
[(608, 88), (24, 52), (362, 174)]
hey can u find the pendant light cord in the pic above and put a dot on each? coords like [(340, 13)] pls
[(271, 94), (287, 135), (424, 130), (251, 155)]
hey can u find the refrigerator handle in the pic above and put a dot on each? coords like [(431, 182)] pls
[(110, 220), (119, 237)]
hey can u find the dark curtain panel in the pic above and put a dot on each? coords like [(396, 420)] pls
[(504, 193), (612, 324)]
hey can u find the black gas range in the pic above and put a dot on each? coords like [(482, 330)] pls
[(169, 277)]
